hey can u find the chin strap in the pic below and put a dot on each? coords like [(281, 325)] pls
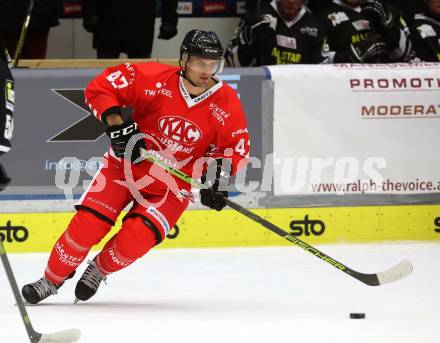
[(187, 78), (183, 73)]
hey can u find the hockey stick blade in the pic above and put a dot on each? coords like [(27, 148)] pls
[(395, 273), (66, 336), (399, 271)]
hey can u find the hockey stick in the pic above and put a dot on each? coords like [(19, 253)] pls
[(261, 47), (23, 33), (65, 336), (395, 273)]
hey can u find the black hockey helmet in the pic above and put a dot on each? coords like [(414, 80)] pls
[(201, 43)]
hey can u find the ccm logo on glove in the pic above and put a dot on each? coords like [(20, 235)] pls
[(124, 131)]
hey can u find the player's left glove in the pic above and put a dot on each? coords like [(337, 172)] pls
[(120, 136), (214, 196), (377, 13), (167, 31), (263, 28)]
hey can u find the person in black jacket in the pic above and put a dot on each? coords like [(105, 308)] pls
[(7, 98), (408, 8), (366, 31), (277, 32), (45, 15), (127, 26), (425, 32)]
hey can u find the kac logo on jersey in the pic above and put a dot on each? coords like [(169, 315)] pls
[(180, 130)]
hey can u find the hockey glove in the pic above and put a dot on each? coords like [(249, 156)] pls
[(377, 13), (370, 50), (264, 28), (90, 23), (167, 31), (243, 33), (214, 196), (119, 137)]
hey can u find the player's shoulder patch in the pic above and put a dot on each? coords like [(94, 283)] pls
[(426, 30), (131, 71), (337, 17)]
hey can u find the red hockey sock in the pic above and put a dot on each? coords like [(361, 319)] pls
[(134, 240), (84, 231)]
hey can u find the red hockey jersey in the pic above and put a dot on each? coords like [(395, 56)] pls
[(212, 124)]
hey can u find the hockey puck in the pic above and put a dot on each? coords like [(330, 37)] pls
[(357, 315)]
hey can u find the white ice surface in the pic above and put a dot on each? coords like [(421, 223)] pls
[(242, 295)]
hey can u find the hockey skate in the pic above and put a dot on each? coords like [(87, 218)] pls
[(89, 283), (41, 289)]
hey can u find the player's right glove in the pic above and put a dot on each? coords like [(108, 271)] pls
[(167, 30), (370, 50), (214, 196), (377, 13), (119, 137), (90, 23)]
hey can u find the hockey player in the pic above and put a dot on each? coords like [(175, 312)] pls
[(7, 98), (366, 31), (183, 114), (284, 32), (425, 32)]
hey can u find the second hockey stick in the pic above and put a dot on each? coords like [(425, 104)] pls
[(23, 33), (65, 336), (395, 273)]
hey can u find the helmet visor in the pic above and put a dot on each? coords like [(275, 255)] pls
[(205, 65)]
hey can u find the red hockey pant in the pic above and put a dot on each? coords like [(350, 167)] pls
[(144, 226)]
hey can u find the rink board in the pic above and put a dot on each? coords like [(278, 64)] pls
[(37, 232)]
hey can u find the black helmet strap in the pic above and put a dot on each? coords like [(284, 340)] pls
[(183, 71)]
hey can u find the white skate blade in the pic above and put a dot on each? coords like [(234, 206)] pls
[(65, 336), (76, 301)]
